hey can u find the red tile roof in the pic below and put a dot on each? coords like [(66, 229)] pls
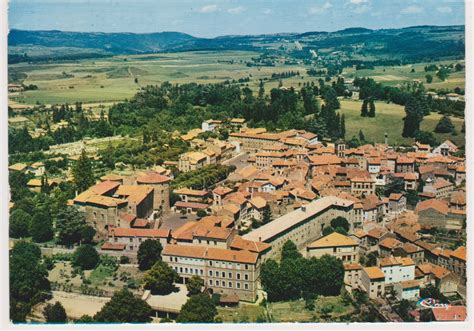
[(148, 233), (450, 313)]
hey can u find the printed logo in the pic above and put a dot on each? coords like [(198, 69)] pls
[(431, 303)]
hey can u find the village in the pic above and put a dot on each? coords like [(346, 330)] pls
[(404, 210)]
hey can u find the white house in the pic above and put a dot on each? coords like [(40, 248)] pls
[(397, 269)]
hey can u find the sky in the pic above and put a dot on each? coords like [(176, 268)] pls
[(213, 18)]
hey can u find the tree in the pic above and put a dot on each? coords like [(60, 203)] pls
[(331, 275), (201, 213), (340, 222), (124, 308), (364, 112), (343, 126), (29, 284), (443, 73), (371, 108), (270, 279), (19, 224), (361, 136), (290, 251), (82, 173), (194, 285), (371, 259), (160, 278), (444, 125), (55, 313), (70, 225), (413, 118), (85, 257), (41, 228), (267, 215), (327, 230), (426, 137), (85, 319), (429, 78), (198, 309), (148, 254)]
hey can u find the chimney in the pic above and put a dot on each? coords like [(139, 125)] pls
[(303, 208)]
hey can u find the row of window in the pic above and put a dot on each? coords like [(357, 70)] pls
[(223, 275), (227, 284), (218, 264)]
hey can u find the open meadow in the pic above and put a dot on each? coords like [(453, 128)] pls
[(389, 119)]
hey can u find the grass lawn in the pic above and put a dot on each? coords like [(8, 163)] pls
[(295, 311), (244, 313), (389, 118)]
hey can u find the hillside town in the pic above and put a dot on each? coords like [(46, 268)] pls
[(400, 214)]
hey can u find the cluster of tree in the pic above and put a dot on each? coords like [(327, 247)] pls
[(368, 108), (339, 225), (444, 125), (297, 277), (29, 284), (204, 177), (415, 108), (285, 74), (316, 72)]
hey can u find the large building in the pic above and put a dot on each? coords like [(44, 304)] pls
[(302, 225), (335, 244), (224, 271)]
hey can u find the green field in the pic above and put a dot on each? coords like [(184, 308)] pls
[(113, 79), (389, 119), (389, 75)]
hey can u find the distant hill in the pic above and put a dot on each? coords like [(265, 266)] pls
[(412, 43)]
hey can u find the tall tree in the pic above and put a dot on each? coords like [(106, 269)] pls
[(160, 278), (343, 126), (371, 108), (444, 125), (82, 173), (85, 257), (55, 313), (19, 224), (364, 109), (41, 228), (290, 251), (361, 137), (148, 254), (124, 307), (267, 215), (29, 284), (198, 309), (195, 285), (413, 118), (70, 224)]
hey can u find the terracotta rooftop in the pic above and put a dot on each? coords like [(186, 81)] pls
[(187, 191), (153, 178), (460, 253), (104, 187), (219, 254), (390, 243), (438, 205), (253, 246), (407, 284), (332, 240), (352, 266), (148, 233), (374, 272), (450, 313), (192, 205)]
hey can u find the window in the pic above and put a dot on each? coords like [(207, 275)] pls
[(217, 283), (171, 259), (210, 263), (217, 273), (230, 284), (131, 247), (210, 282), (238, 285), (215, 242), (223, 283), (181, 269), (230, 274), (238, 276), (246, 267), (186, 270), (175, 259), (210, 273), (246, 277), (246, 286), (131, 239), (202, 272)]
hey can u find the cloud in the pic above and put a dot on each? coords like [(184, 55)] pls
[(267, 11), (208, 9), (358, 2), (236, 10), (444, 10), (412, 10), (320, 9), (361, 9)]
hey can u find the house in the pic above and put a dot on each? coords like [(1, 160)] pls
[(210, 125), (131, 238), (191, 161), (407, 289), (372, 281), (362, 186), (219, 193), (441, 188), (352, 274), (224, 271), (436, 213), (449, 313), (419, 147), (457, 262), (397, 269), (190, 195), (388, 246), (404, 164), (335, 244), (446, 148), (440, 277), (397, 203)]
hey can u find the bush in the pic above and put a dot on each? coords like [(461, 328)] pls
[(55, 313), (124, 259)]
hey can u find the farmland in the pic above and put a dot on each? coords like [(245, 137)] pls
[(119, 77), (389, 119)]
